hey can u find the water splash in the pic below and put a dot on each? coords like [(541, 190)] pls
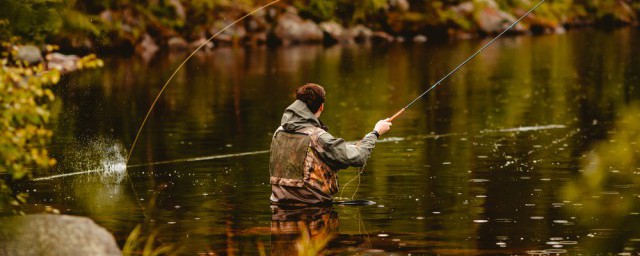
[(103, 157), (112, 163)]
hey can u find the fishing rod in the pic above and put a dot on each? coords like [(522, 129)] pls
[(397, 114)]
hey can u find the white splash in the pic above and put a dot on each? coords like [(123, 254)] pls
[(102, 157)]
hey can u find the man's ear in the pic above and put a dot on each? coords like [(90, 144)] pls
[(321, 107)]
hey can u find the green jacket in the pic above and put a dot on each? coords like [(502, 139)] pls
[(338, 153)]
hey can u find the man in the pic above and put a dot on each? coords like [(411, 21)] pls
[(305, 158)]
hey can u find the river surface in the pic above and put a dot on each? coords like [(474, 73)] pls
[(479, 166)]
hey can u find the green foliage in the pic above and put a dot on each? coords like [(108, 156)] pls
[(24, 105), (25, 95), (347, 12), (32, 20)]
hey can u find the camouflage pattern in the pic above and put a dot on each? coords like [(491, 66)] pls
[(289, 152), (294, 161), (317, 173)]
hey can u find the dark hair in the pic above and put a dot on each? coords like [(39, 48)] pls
[(311, 94)]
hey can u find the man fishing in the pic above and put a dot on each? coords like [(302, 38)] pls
[(305, 158)]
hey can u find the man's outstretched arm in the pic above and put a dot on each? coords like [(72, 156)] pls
[(340, 154)]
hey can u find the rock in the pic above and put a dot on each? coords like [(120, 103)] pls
[(381, 36), (490, 19), (258, 22), (465, 8), (106, 15), (361, 33), (30, 54), (291, 28), (64, 63), (402, 5), (147, 47), (197, 43), (233, 34), (177, 44), (559, 30), (419, 39), (334, 32), (47, 234)]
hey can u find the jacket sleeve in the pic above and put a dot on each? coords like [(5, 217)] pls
[(340, 154)]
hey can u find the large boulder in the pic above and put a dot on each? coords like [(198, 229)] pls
[(291, 28), (47, 234), (490, 19)]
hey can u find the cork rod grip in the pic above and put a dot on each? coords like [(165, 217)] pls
[(396, 115)]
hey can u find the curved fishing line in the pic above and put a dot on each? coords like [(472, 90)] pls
[(144, 121), (146, 117), (464, 62)]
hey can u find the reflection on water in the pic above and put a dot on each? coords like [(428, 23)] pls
[(302, 230), (605, 195), (467, 170)]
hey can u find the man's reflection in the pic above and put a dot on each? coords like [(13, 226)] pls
[(302, 229)]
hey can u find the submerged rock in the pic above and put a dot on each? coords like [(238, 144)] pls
[(47, 234)]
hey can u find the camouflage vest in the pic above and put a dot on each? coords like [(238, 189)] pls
[(295, 162)]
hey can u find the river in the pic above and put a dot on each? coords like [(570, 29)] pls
[(477, 167)]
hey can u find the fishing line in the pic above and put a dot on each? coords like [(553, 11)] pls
[(462, 64), (249, 153), (144, 121), (397, 114)]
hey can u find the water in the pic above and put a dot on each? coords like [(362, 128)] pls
[(476, 167)]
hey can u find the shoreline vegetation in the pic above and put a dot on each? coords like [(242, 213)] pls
[(26, 79), (145, 27)]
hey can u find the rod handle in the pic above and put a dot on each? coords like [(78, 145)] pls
[(396, 115)]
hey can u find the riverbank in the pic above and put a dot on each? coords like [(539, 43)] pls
[(146, 27)]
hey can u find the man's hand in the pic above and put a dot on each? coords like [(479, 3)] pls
[(382, 126)]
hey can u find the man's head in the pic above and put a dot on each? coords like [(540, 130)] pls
[(313, 95)]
